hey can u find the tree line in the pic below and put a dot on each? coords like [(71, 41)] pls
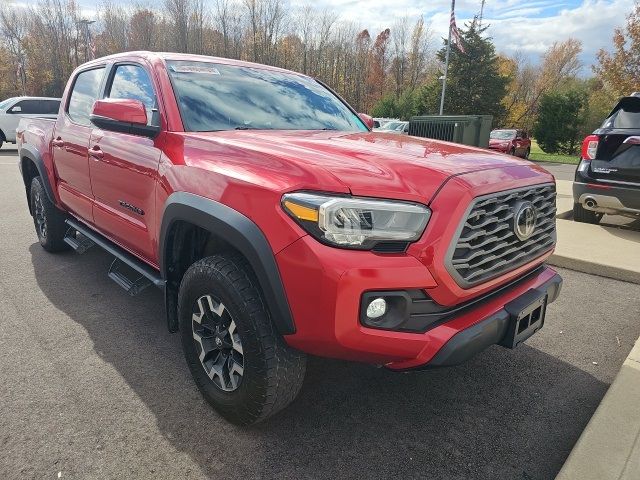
[(395, 72), (44, 43)]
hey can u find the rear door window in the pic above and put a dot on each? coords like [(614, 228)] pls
[(48, 107), (85, 91)]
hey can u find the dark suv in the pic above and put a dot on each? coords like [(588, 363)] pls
[(608, 176)]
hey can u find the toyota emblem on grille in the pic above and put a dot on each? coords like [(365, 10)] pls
[(524, 221)]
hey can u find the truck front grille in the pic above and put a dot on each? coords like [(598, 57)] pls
[(487, 244)]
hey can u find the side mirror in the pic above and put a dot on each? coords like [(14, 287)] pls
[(367, 119), (122, 115)]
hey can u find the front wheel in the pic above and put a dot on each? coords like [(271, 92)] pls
[(47, 218), (239, 362)]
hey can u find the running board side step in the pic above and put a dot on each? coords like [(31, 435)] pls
[(123, 263), (132, 286), (80, 244)]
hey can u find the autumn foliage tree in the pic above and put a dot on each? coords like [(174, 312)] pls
[(378, 66), (620, 70)]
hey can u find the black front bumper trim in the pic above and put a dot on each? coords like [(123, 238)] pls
[(482, 335)]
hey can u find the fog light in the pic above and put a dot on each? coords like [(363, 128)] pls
[(377, 308)]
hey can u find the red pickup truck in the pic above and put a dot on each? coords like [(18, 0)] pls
[(278, 225)]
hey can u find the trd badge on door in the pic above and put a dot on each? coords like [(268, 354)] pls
[(133, 208)]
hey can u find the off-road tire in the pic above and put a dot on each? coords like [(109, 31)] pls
[(47, 218), (581, 214), (273, 372)]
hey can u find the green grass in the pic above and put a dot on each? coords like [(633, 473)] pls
[(539, 156)]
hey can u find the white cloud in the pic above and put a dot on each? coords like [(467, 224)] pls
[(529, 27), (592, 23)]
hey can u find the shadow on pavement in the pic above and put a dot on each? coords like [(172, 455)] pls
[(507, 415), (6, 152)]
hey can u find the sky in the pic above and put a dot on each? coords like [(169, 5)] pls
[(529, 27)]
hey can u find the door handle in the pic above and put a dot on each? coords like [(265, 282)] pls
[(58, 142), (96, 153)]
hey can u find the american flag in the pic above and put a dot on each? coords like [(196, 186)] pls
[(455, 33)]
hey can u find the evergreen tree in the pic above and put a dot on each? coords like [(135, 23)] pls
[(561, 116), (474, 83)]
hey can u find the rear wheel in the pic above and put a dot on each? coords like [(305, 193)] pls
[(239, 362), (48, 219), (580, 214)]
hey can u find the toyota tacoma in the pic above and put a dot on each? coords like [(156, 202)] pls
[(277, 224)]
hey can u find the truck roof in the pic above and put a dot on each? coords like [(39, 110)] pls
[(189, 57), (34, 98)]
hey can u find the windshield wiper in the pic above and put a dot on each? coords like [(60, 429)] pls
[(245, 127)]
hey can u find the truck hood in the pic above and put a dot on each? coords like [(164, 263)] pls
[(366, 163)]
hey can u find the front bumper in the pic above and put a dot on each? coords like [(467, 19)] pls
[(325, 285), (500, 148), (490, 331)]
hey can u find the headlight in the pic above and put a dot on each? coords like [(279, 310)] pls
[(360, 223)]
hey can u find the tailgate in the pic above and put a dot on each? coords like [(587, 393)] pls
[(618, 154)]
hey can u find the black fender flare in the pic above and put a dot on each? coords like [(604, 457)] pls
[(29, 152), (239, 231)]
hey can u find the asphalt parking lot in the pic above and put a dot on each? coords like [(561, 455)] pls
[(93, 386), (561, 171)]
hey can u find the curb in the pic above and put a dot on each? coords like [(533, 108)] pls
[(609, 447), (585, 266)]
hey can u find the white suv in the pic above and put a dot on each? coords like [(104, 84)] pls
[(12, 109)]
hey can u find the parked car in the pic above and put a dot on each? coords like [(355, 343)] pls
[(395, 127), (512, 141), (278, 225), (12, 109), (379, 122), (607, 179)]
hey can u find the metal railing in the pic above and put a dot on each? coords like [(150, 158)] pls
[(466, 129)]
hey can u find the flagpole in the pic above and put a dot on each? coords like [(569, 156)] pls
[(446, 60)]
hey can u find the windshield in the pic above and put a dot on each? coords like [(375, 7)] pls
[(5, 103), (214, 97), (391, 125), (503, 134)]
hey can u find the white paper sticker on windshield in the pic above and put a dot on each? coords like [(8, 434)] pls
[(195, 69)]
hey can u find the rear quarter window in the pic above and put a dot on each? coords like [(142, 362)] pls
[(49, 107), (626, 115), (25, 107)]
